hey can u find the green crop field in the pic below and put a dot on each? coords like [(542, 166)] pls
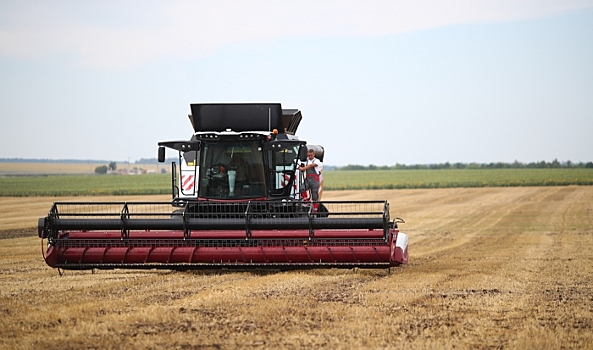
[(85, 185), (394, 179)]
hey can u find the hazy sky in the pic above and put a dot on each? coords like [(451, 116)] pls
[(378, 82)]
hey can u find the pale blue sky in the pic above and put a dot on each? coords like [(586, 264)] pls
[(378, 82)]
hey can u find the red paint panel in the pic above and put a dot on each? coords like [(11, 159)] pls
[(182, 254), (218, 234), (160, 254), (137, 255), (93, 255), (115, 255), (71, 255)]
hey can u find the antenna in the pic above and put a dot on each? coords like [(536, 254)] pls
[(269, 119)]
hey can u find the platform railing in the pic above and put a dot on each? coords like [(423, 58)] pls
[(247, 216)]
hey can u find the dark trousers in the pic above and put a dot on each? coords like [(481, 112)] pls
[(311, 184)]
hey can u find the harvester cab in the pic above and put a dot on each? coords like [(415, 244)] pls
[(237, 203), (229, 159)]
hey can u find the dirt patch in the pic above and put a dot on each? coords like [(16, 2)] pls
[(16, 233)]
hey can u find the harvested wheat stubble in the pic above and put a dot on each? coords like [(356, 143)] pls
[(489, 268)]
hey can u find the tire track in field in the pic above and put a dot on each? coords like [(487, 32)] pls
[(511, 263), (456, 223)]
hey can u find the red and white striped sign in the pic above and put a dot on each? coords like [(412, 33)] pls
[(187, 183)]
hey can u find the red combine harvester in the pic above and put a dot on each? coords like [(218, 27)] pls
[(236, 204)]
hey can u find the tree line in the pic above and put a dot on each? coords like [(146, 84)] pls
[(102, 169), (498, 165), (38, 160)]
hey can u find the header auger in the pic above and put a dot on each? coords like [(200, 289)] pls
[(236, 204)]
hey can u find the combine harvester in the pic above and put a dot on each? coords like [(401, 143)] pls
[(236, 204)]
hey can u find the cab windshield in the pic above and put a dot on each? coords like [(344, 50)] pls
[(232, 170)]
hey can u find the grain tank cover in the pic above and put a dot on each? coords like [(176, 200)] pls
[(237, 117)]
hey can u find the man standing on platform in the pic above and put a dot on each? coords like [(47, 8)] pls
[(312, 170)]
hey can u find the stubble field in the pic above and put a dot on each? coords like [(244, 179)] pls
[(489, 268)]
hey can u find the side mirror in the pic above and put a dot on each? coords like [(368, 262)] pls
[(303, 154), (161, 157)]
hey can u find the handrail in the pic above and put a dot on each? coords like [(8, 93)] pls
[(247, 216)]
